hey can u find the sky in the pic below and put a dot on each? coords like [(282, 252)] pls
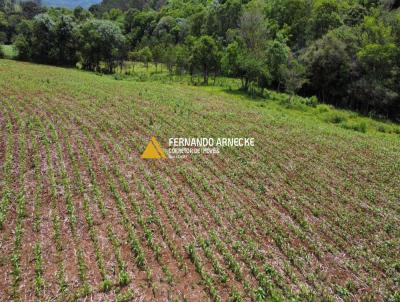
[(70, 3)]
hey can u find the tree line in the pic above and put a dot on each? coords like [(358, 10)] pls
[(344, 52)]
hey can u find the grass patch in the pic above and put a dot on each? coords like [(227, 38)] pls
[(336, 118), (358, 126), (292, 105)]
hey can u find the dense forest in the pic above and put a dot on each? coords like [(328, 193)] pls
[(346, 53)]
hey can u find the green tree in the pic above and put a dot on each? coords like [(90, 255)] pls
[(377, 89), (325, 17), (230, 60), (294, 75), (169, 58), (293, 15), (43, 38), (48, 39), (157, 51), (115, 14), (205, 56), (254, 28), (81, 14), (12, 20), (3, 27), (237, 62), (101, 41), (30, 9), (196, 23), (330, 65), (65, 46), (182, 58), (254, 72), (144, 55), (137, 25), (23, 42), (277, 56), (164, 30), (355, 14)]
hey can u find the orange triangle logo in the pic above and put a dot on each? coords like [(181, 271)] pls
[(153, 150)]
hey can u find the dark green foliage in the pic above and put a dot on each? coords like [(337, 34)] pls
[(100, 41), (48, 39), (23, 41), (295, 15), (3, 27), (277, 58), (30, 9), (355, 14), (325, 17), (124, 5), (329, 63), (81, 15), (42, 38), (138, 26), (219, 18), (205, 56), (357, 68)]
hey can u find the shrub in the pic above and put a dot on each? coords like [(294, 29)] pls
[(382, 128), (323, 108), (336, 118), (294, 102), (312, 101), (118, 76), (1, 53), (359, 127)]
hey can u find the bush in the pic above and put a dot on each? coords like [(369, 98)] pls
[(1, 52), (297, 102), (359, 127), (118, 76), (312, 101), (382, 129), (336, 118), (323, 108)]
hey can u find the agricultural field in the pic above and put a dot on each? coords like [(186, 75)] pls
[(311, 213)]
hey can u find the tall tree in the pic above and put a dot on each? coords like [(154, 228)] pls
[(205, 56), (101, 40)]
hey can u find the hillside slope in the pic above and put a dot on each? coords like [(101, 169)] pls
[(310, 213)]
